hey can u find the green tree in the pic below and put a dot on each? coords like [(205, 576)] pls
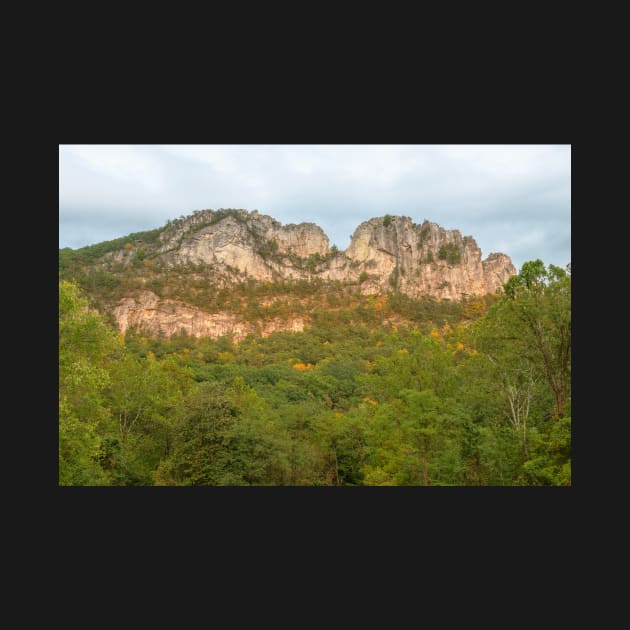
[(536, 312), (449, 252), (225, 435), (143, 395), (86, 346), (258, 443), (414, 440), (199, 454), (524, 368)]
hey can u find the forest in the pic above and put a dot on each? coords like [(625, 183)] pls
[(476, 393)]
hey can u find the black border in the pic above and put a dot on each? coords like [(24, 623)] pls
[(303, 516)]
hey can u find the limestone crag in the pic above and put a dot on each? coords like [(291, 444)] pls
[(385, 252), (424, 259), (252, 243), (155, 316), (390, 253)]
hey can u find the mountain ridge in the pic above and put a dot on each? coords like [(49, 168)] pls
[(220, 249)]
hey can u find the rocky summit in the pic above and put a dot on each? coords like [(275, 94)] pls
[(226, 248)]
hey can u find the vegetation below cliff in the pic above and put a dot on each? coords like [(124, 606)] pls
[(379, 389)]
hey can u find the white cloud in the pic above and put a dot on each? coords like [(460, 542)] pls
[(514, 199), (124, 162), (221, 158)]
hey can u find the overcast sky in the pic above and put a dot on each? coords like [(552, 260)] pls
[(514, 199)]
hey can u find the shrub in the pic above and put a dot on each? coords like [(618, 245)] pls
[(450, 252), (454, 257), (424, 234), (138, 258), (387, 220), (268, 249), (313, 261)]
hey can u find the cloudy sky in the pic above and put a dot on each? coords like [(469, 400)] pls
[(514, 199)]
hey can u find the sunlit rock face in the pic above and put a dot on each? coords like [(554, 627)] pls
[(417, 259), (157, 317), (385, 253)]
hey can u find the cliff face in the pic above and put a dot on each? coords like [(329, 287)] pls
[(424, 259), (169, 317), (393, 252), (385, 253), (251, 243)]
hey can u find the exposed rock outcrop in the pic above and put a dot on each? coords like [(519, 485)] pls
[(252, 243), (152, 315), (385, 253), (424, 259)]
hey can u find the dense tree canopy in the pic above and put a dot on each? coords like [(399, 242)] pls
[(377, 391)]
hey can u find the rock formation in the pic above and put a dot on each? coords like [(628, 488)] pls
[(157, 317), (424, 259), (390, 253)]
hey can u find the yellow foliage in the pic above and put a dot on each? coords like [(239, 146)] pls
[(128, 246), (121, 336), (379, 344), (474, 308), (370, 401), (303, 366), (456, 347), (151, 356), (377, 476), (403, 351), (435, 334), (338, 414), (380, 302)]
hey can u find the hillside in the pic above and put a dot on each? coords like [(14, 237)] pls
[(375, 390), (233, 272), (228, 349)]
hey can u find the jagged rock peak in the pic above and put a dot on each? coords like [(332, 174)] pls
[(385, 253), (423, 259), (302, 239)]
